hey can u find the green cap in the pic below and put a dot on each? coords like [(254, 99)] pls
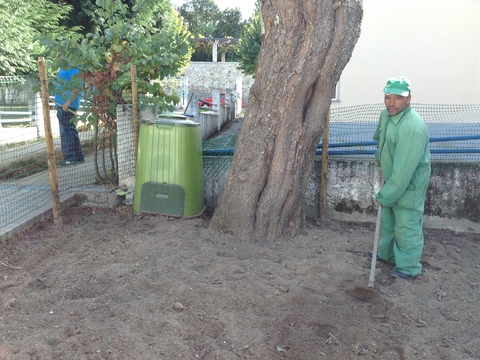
[(398, 86)]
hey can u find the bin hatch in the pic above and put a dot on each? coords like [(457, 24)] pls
[(160, 198)]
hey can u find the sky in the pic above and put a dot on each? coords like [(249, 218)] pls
[(245, 6)]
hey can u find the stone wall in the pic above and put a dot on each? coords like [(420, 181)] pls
[(203, 77), (452, 201)]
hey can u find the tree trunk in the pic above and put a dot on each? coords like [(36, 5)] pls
[(305, 47)]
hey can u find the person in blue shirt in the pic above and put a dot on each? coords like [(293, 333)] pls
[(67, 103)]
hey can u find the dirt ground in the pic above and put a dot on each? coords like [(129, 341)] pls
[(109, 284)]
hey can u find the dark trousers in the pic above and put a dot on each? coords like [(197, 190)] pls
[(71, 148)]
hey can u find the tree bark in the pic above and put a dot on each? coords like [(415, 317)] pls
[(305, 47)]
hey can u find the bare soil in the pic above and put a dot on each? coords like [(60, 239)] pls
[(109, 284)]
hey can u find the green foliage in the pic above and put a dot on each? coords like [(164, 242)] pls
[(149, 35), (22, 22), (84, 13), (250, 43), (200, 16), (205, 20), (229, 24)]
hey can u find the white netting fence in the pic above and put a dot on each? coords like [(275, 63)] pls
[(24, 177)]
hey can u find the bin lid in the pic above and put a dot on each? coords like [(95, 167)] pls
[(172, 119)]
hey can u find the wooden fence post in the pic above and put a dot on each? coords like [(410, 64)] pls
[(52, 166), (322, 209)]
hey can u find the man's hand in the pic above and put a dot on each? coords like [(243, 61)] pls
[(73, 95), (376, 201)]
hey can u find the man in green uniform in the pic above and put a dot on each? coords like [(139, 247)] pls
[(404, 156)]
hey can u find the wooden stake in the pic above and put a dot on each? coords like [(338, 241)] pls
[(188, 103), (322, 209), (52, 166), (133, 74)]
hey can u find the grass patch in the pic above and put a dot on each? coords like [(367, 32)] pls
[(36, 163), (23, 168)]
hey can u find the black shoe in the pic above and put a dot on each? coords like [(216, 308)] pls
[(398, 274), (80, 160), (370, 254), (66, 163)]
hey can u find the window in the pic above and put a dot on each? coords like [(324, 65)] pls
[(336, 95)]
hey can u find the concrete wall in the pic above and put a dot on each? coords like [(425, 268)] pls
[(452, 201), (433, 43)]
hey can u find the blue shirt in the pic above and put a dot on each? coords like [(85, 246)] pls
[(61, 96)]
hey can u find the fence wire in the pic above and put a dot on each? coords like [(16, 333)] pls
[(454, 131), (454, 135), (24, 177)]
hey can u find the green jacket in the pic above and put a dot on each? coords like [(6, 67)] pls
[(403, 152)]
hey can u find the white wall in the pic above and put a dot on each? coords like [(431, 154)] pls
[(434, 43)]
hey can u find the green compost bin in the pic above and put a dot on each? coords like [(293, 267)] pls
[(169, 172)]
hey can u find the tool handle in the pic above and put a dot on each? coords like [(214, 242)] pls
[(70, 110), (371, 279)]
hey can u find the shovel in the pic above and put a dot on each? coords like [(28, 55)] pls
[(371, 279)]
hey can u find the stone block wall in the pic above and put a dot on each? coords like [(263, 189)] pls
[(451, 202), (452, 199), (203, 77)]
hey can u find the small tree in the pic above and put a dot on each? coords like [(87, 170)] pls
[(14, 86), (205, 20), (249, 44), (151, 37), (200, 16), (229, 24)]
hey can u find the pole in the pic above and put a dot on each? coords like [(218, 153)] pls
[(371, 278), (133, 74), (52, 167), (322, 210)]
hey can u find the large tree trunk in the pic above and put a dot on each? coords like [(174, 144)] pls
[(305, 47)]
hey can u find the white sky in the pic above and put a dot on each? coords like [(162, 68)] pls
[(245, 6)]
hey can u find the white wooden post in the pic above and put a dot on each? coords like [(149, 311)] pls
[(214, 50), (216, 105), (215, 100), (238, 99), (185, 94), (37, 107), (229, 103)]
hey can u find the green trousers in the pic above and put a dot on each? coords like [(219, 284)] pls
[(402, 227), (402, 239)]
